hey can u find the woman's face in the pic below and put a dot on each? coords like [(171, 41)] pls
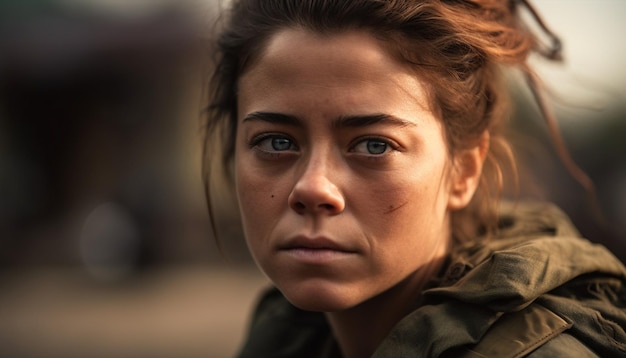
[(341, 169)]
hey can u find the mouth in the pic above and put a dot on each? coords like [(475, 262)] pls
[(314, 244), (315, 249)]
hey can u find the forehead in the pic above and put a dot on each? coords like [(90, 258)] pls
[(356, 48), (295, 61)]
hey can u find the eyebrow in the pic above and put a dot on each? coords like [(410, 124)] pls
[(271, 117), (353, 121), (371, 119)]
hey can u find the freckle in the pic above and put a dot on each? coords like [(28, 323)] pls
[(272, 195)]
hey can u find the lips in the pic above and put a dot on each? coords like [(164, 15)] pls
[(314, 243)]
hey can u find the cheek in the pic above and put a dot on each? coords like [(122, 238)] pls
[(259, 198), (252, 195), (253, 207), (404, 206)]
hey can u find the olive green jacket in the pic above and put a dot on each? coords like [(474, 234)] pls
[(538, 290)]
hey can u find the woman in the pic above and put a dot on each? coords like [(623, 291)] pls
[(366, 144)]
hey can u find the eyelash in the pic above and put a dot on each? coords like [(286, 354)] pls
[(256, 141), (391, 146)]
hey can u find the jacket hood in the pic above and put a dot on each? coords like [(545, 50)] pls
[(536, 251)]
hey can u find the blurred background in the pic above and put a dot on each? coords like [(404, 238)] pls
[(105, 243)]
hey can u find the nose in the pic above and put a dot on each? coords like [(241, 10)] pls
[(316, 193)]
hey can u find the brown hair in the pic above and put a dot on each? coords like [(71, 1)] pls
[(457, 46)]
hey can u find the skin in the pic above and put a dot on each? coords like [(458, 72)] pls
[(344, 180)]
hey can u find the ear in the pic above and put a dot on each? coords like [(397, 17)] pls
[(466, 173)]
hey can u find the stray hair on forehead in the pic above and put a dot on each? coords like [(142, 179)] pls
[(459, 48)]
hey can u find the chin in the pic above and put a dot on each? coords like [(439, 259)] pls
[(319, 297)]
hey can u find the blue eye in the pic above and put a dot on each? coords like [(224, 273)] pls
[(281, 144), (371, 147), (274, 143), (376, 147)]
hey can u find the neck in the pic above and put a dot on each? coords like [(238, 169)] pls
[(360, 329)]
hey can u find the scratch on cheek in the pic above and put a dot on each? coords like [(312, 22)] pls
[(392, 208)]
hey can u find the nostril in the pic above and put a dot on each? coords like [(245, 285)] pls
[(299, 206)]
